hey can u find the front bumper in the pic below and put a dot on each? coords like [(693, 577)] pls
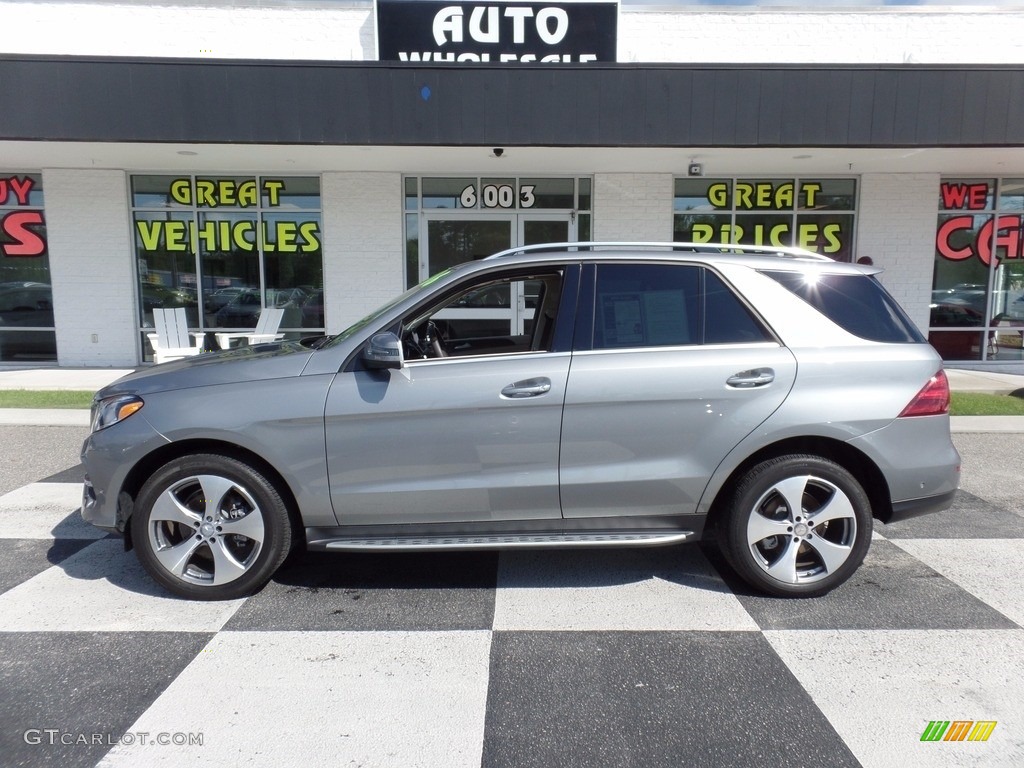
[(108, 456)]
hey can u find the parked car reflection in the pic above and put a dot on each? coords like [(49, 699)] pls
[(243, 311), (26, 304)]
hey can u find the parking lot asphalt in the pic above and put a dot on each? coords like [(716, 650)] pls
[(651, 657)]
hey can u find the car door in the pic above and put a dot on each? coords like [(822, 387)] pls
[(468, 436), (670, 372)]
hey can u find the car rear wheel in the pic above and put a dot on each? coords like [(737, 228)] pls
[(210, 527), (797, 526)]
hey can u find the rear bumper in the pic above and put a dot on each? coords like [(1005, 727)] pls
[(919, 462), (906, 509)]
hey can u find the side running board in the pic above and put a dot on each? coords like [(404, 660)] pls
[(501, 541)]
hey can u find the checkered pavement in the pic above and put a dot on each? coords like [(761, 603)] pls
[(645, 657)]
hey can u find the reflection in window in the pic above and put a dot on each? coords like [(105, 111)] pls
[(26, 299), (978, 279), (227, 247)]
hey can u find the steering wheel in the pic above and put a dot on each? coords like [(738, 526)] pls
[(430, 343)]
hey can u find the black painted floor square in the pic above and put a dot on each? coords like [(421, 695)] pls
[(890, 590), (353, 591), (21, 559), (87, 686), (650, 699), (969, 517)]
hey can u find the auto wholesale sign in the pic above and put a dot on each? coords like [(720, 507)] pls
[(497, 33)]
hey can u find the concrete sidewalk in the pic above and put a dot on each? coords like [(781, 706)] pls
[(91, 379)]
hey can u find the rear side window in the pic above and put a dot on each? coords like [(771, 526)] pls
[(646, 305), (655, 305), (857, 303)]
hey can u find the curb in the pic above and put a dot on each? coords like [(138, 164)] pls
[(44, 417)]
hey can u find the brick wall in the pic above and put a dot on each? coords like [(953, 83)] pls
[(633, 207), (364, 255), (90, 248), (896, 228)]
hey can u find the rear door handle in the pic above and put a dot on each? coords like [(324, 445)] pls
[(527, 388), (757, 377)]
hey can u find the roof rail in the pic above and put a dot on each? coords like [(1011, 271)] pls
[(718, 248)]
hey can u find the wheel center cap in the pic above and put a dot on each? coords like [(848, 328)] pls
[(206, 529), (800, 529)]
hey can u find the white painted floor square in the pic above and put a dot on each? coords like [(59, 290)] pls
[(990, 569), (880, 689), (650, 589), (45, 511), (324, 698), (102, 588)]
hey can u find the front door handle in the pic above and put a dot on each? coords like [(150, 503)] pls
[(757, 377), (527, 388)]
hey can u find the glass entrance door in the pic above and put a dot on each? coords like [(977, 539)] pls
[(535, 229)]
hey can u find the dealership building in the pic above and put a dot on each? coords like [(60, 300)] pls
[(228, 156)]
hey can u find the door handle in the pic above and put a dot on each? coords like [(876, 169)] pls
[(527, 388), (757, 377)]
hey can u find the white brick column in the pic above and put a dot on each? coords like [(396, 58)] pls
[(364, 253), (633, 207), (896, 228), (89, 239)]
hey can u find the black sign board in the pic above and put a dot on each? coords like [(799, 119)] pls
[(496, 32)]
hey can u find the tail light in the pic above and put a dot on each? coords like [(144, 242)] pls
[(932, 400)]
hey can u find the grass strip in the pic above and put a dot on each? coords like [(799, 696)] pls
[(45, 398), (982, 404)]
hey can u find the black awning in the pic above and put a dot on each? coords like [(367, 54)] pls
[(624, 105)]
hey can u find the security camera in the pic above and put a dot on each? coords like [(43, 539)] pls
[(695, 169), (498, 151)]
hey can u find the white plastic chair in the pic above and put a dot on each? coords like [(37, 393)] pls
[(171, 340), (265, 330)]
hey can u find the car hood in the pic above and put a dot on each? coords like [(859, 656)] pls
[(255, 363)]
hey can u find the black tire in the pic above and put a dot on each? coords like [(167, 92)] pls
[(210, 527), (801, 554)]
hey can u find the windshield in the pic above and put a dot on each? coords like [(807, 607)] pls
[(381, 311)]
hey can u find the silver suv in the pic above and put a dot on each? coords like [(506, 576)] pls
[(569, 395)]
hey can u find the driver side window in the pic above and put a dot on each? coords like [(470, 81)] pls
[(493, 315)]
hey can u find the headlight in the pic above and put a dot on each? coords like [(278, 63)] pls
[(111, 410)]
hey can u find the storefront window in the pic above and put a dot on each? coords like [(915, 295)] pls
[(977, 307), (226, 247), (816, 214), (26, 299)]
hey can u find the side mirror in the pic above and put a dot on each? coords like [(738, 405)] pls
[(384, 350)]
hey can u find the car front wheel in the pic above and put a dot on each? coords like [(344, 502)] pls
[(797, 526), (210, 527)]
